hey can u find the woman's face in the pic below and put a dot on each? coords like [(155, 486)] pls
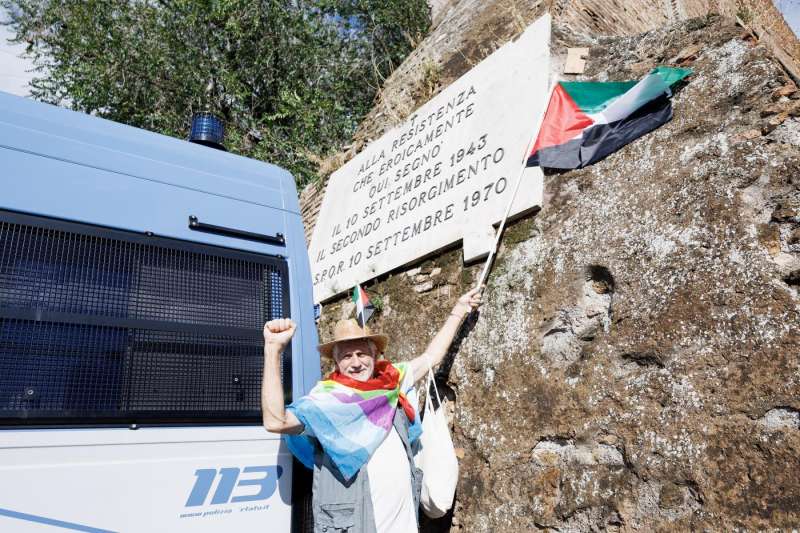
[(355, 359)]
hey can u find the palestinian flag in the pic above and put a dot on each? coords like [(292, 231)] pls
[(586, 121), (364, 307)]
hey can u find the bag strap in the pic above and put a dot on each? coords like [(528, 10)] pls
[(428, 383)]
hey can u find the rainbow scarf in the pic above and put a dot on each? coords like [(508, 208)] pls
[(350, 423)]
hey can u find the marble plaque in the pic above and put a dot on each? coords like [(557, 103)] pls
[(449, 169)]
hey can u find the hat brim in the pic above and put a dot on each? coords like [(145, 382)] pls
[(326, 350)]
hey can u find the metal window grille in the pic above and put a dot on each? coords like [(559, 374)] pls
[(107, 326)]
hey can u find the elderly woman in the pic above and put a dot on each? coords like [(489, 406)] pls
[(356, 428)]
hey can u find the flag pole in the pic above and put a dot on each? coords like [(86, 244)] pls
[(525, 156), (502, 226)]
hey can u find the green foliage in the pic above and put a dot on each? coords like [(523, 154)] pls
[(743, 12), (377, 302), (291, 78), (431, 76)]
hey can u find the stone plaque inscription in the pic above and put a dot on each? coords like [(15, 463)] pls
[(451, 167)]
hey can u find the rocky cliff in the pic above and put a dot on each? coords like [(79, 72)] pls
[(637, 363)]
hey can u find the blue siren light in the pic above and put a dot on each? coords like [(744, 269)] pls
[(208, 130)]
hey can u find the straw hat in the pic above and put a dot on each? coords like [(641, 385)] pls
[(348, 330)]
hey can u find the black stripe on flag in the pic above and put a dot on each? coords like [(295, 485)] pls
[(599, 141)]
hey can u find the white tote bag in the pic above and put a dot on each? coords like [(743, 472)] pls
[(436, 458)]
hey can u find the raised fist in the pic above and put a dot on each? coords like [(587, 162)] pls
[(279, 331)]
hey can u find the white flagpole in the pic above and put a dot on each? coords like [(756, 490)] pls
[(502, 226)]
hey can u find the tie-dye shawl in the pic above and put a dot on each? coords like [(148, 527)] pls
[(350, 424)]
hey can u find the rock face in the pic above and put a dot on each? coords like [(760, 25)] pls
[(637, 364)]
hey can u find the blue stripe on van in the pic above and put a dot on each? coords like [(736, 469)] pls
[(51, 522)]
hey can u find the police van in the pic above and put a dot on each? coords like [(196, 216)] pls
[(136, 274)]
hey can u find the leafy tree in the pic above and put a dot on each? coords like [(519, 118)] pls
[(291, 78)]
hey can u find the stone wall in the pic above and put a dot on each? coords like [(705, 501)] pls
[(636, 367), (465, 31), (637, 363), (770, 27)]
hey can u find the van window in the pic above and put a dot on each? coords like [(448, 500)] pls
[(106, 326)]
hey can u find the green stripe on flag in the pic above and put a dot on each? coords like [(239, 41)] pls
[(594, 96), (671, 75)]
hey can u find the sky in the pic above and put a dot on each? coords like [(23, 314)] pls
[(791, 12), (14, 75), (15, 70)]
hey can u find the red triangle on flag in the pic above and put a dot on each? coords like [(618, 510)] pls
[(562, 122)]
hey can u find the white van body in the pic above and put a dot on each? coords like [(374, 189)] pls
[(150, 468)]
